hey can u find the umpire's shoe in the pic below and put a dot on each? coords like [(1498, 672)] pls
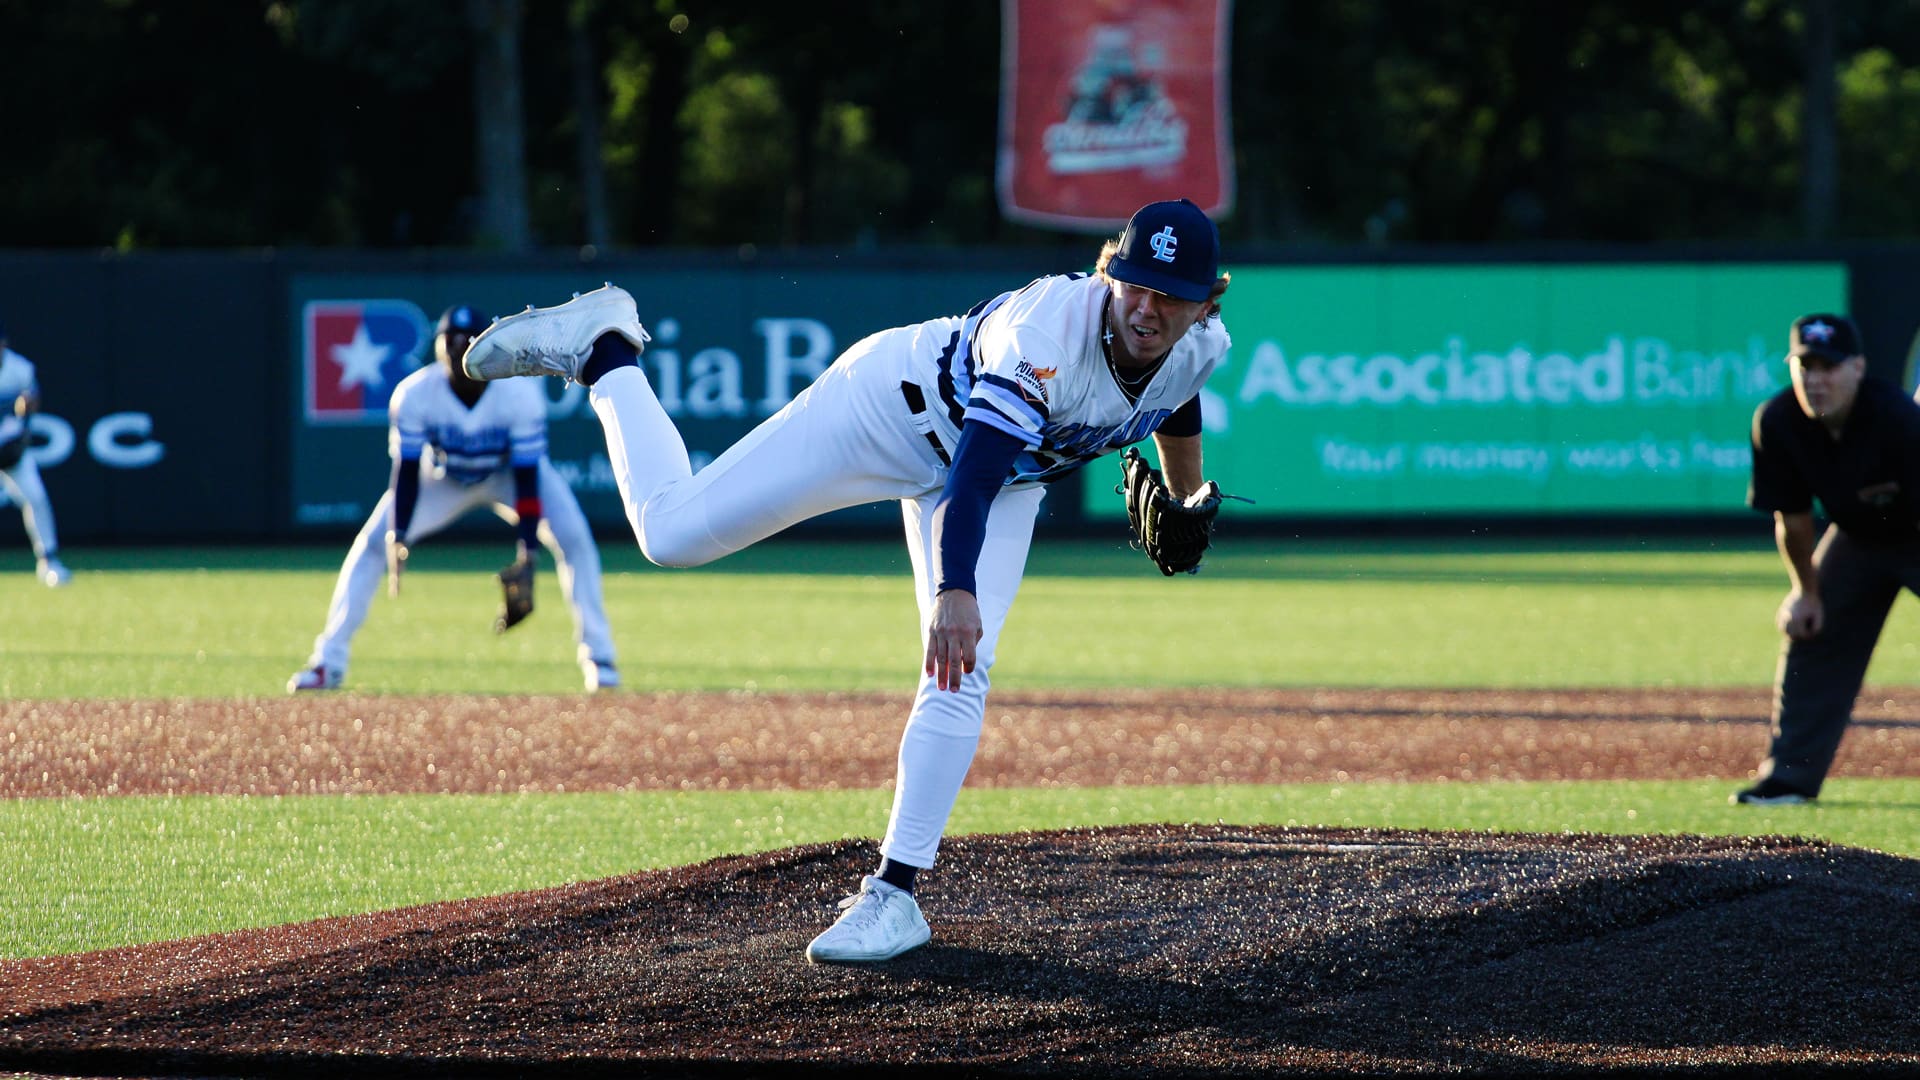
[(554, 340), (878, 923), (1770, 792)]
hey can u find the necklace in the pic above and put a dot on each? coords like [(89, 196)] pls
[(1130, 384)]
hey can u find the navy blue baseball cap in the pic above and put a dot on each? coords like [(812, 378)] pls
[(1829, 337), (1169, 247), (462, 317)]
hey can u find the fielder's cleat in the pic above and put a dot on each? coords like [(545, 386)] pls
[(877, 923), (554, 340), (317, 677), (600, 674), (52, 573), (1770, 792)]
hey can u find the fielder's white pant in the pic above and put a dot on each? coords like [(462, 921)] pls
[(563, 531), (843, 441), (36, 513)]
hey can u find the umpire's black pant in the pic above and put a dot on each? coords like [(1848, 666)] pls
[(1819, 677)]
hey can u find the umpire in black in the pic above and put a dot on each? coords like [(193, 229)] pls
[(1851, 441)]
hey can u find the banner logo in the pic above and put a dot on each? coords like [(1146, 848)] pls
[(355, 352), (1107, 106)]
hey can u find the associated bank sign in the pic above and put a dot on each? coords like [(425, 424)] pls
[(1640, 370), (1504, 389)]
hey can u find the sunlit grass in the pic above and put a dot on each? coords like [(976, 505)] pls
[(80, 874), (91, 873), (1267, 612)]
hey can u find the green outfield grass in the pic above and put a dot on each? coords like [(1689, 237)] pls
[(87, 873), (236, 623)]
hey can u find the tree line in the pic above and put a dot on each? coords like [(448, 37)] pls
[(516, 124)]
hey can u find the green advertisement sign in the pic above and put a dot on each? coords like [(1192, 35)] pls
[(1512, 390)]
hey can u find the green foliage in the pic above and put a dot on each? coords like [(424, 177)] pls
[(1353, 120), (94, 873)]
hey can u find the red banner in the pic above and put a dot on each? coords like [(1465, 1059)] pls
[(1107, 105)]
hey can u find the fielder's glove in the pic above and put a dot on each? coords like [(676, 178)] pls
[(1174, 534), (516, 584)]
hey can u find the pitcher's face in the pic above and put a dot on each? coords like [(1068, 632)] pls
[(1146, 324)]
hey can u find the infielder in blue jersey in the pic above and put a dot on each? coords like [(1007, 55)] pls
[(459, 445), (19, 473), (961, 419)]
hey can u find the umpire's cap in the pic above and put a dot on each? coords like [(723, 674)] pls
[(463, 317), (1169, 247), (1829, 337)]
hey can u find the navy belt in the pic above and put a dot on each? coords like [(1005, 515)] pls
[(923, 420)]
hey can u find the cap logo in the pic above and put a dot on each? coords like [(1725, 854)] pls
[(1817, 331), (1164, 244)]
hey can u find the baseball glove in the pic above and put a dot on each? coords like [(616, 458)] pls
[(1174, 534), (516, 583)]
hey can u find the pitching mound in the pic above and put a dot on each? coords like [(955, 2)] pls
[(1139, 951)]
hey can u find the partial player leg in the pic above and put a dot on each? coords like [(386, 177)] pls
[(24, 485), (843, 441), (943, 729), (1819, 677), (883, 920), (440, 502), (565, 532)]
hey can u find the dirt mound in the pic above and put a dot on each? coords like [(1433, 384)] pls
[(1135, 951)]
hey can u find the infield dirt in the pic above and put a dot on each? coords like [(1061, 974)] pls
[(1136, 951)]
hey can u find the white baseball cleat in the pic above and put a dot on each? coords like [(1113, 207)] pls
[(52, 573), (877, 923), (317, 677), (600, 674), (554, 340)]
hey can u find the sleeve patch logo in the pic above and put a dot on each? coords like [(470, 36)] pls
[(1033, 381)]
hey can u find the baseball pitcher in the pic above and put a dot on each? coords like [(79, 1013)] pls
[(964, 420)]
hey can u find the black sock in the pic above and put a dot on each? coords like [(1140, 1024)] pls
[(610, 351), (897, 874)]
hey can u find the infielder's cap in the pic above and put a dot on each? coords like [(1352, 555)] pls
[(1830, 337), (462, 317), (1169, 247)]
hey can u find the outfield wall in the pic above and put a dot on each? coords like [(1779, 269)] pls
[(221, 396)]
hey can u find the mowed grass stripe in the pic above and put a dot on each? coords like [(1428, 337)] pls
[(92, 873), (234, 623)]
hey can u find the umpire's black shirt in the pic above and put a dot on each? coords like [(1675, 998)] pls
[(1867, 480)]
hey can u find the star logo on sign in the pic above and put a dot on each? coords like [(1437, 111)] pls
[(360, 360), (1817, 331)]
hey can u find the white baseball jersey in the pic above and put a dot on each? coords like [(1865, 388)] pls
[(1029, 362), (505, 428), (16, 378)]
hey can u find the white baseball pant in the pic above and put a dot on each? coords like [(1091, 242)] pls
[(563, 531), (844, 441), (23, 486)]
